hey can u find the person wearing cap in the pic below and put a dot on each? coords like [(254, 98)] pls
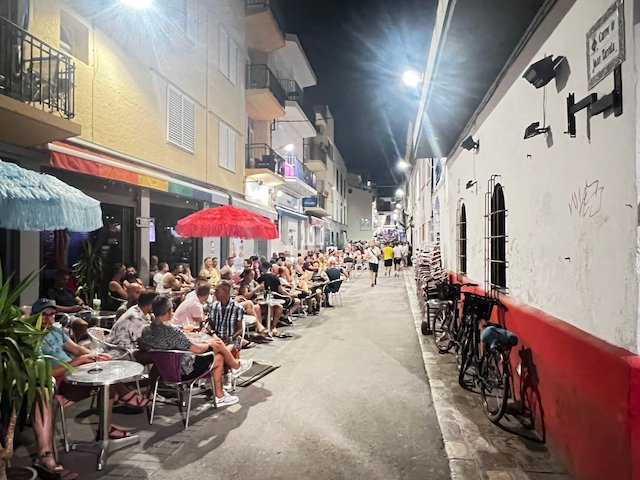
[(60, 349)]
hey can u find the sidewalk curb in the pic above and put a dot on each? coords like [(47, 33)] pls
[(457, 444)]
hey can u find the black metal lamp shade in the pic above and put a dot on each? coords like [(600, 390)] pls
[(543, 71)]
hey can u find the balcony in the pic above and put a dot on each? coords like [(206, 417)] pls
[(316, 155), (264, 165), (36, 89), (266, 97), (315, 205), (299, 179), (294, 114), (263, 32)]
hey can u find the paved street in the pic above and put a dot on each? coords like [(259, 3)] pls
[(350, 400)]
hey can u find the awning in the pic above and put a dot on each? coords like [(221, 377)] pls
[(285, 212), (263, 210), (75, 159), (318, 222)]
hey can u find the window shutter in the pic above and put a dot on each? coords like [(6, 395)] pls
[(174, 116), (223, 48), (233, 63), (188, 124), (223, 145), (231, 149)]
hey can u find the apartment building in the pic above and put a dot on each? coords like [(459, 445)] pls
[(328, 210), (277, 74), (142, 109)]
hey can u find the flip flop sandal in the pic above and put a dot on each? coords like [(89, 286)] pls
[(249, 345), (132, 399), (282, 335), (117, 434), (46, 472)]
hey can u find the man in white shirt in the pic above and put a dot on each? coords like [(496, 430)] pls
[(128, 328), (372, 255), (405, 253), (397, 259), (190, 311), (158, 278)]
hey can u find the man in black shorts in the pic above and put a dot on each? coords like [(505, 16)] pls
[(372, 255)]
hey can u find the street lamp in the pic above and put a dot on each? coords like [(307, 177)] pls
[(137, 4), (289, 147), (411, 78), (399, 193), (402, 165)]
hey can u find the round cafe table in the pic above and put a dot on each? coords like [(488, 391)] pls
[(114, 371)]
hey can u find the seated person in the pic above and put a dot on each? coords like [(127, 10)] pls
[(131, 277), (160, 335), (250, 291), (133, 293), (58, 346), (225, 315), (116, 294), (190, 311), (158, 277), (310, 293), (271, 283), (333, 275), (128, 328), (67, 302)]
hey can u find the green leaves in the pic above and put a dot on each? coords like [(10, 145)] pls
[(23, 370), (89, 270)]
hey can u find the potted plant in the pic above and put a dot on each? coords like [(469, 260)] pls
[(88, 272), (23, 370)]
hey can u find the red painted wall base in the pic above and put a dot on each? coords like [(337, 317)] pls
[(582, 393)]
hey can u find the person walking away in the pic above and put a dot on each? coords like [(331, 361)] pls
[(372, 255), (397, 259), (405, 254), (387, 253)]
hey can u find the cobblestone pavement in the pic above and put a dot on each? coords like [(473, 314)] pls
[(476, 448)]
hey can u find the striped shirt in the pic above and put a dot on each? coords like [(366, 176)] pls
[(224, 321)]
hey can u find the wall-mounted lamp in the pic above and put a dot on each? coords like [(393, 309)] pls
[(470, 184), (534, 129), (543, 71), (469, 143)]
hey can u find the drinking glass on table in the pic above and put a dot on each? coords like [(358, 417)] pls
[(96, 350), (97, 303), (188, 326)]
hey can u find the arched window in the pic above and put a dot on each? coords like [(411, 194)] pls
[(462, 238), (498, 239)]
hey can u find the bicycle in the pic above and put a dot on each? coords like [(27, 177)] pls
[(495, 370), (474, 309), (444, 325)]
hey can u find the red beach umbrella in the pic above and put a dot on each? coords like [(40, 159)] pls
[(226, 221)]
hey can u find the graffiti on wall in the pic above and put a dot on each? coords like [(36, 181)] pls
[(587, 201)]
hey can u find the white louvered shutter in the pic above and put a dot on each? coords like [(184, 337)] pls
[(223, 145), (223, 48), (233, 63), (188, 124), (174, 116), (231, 149)]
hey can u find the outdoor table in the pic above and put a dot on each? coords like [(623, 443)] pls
[(114, 371), (198, 337), (271, 303)]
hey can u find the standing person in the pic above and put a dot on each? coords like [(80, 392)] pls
[(405, 254), (372, 255), (397, 259), (387, 253)]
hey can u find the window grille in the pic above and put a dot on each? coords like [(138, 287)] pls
[(495, 241), (461, 240)]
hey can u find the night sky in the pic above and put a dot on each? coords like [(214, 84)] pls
[(358, 50)]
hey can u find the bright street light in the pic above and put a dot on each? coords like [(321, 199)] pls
[(411, 78), (398, 206), (289, 147), (137, 4), (399, 193), (402, 165)]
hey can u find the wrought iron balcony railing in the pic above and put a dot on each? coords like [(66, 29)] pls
[(261, 155), (293, 91), (293, 168), (34, 72), (259, 76), (316, 150)]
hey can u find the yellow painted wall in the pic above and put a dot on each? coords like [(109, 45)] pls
[(121, 94)]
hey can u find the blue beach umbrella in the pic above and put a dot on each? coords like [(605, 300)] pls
[(35, 201)]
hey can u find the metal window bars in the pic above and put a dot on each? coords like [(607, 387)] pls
[(495, 238), (34, 72), (461, 238)]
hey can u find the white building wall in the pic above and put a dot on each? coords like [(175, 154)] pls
[(572, 209), (360, 205)]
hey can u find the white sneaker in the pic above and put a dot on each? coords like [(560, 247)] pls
[(226, 400), (244, 366)]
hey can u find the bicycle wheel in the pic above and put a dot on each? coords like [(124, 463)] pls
[(460, 334), (494, 385), (442, 336), (466, 357)]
